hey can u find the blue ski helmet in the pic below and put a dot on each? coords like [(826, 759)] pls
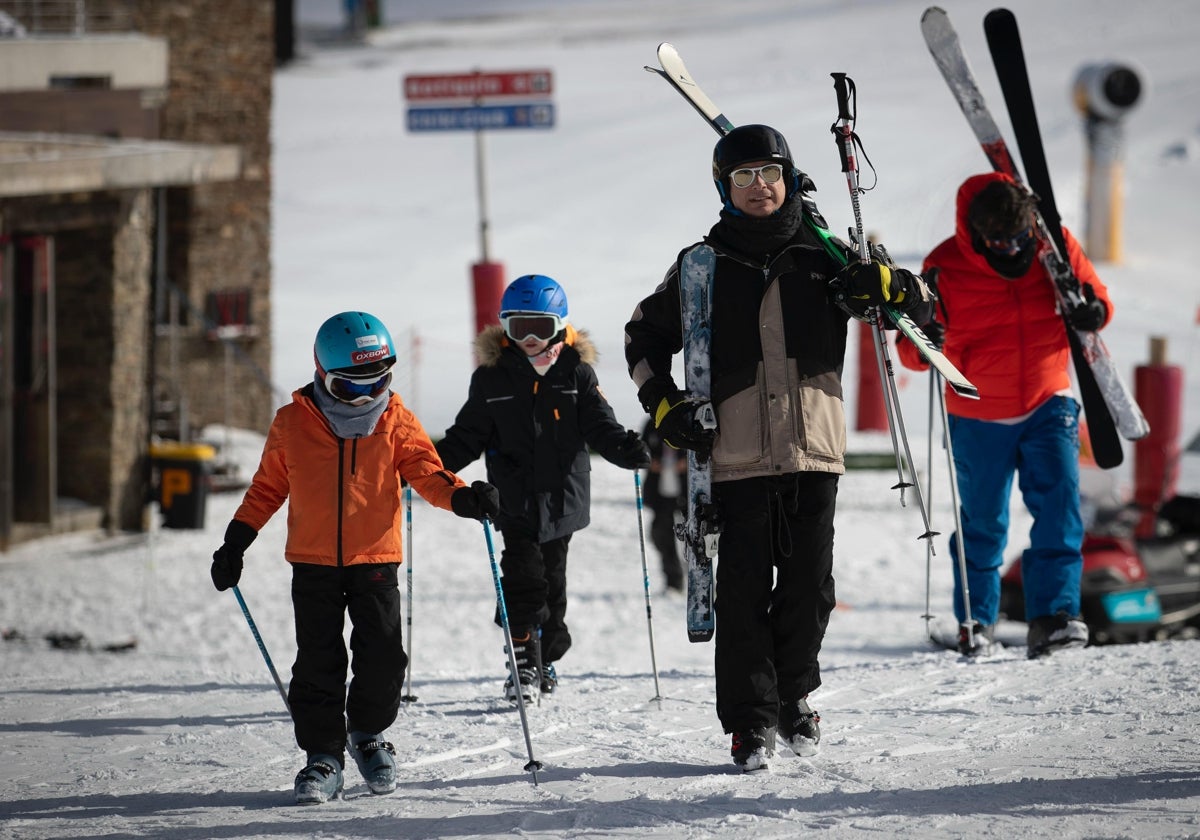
[(354, 342), (534, 293)]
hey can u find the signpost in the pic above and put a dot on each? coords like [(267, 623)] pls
[(524, 102)]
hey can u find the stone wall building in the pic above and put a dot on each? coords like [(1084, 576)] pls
[(135, 271)]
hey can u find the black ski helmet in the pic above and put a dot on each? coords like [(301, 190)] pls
[(745, 144)]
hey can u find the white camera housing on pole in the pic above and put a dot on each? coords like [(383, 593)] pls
[(1104, 94)]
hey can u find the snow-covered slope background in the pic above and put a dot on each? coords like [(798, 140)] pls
[(186, 736)]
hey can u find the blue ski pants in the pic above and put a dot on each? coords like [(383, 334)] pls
[(1043, 450)]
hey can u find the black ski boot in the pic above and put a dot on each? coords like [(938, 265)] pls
[(753, 749), (799, 727), (527, 649)]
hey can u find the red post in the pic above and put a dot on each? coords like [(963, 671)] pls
[(872, 412), (487, 280), (1158, 388)]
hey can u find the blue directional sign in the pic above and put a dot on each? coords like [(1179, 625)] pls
[(482, 117)]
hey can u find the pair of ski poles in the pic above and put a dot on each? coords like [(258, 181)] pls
[(407, 696), (533, 766), (843, 130)]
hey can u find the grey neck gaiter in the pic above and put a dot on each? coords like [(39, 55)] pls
[(349, 421)]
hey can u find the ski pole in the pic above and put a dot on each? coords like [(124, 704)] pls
[(408, 696), (637, 488), (843, 130), (969, 622), (933, 387), (262, 647), (534, 765)]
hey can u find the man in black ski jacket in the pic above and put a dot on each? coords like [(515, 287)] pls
[(780, 305)]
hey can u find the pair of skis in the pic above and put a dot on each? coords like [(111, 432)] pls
[(1108, 405)]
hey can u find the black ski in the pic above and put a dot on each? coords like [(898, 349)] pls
[(1110, 410), (1107, 402)]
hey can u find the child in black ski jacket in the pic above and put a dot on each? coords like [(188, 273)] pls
[(533, 410)]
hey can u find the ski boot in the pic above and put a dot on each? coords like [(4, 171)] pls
[(319, 781), (798, 726), (376, 760), (527, 650), (753, 749)]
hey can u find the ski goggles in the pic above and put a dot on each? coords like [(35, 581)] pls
[(744, 177), (540, 325), (1009, 245), (358, 390)]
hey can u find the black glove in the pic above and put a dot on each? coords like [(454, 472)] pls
[(681, 420), (632, 452), (863, 285), (1088, 316), (936, 333), (479, 501), (226, 568)]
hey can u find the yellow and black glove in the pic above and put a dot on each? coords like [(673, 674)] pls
[(686, 422), (860, 286), (874, 284)]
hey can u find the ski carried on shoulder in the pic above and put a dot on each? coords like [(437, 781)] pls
[(1008, 57), (701, 529), (1108, 405), (675, 72)]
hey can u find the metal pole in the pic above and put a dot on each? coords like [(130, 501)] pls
[(481, 187), (968, 621), (843, 130), (933, 386), (534, 765), (262, 647), (637, 487), (408, 696)]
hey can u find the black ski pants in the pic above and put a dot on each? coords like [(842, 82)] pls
[(321, 704), (774, 593), (535, 588)]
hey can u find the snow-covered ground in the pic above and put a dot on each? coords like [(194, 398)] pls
[(185, 736)]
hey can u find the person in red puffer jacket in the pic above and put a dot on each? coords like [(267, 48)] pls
[(999, 321)]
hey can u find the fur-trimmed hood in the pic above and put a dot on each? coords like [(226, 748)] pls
[(491, 343)]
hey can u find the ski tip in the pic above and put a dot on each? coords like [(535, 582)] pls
[(1107, 460), (999, 17)]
